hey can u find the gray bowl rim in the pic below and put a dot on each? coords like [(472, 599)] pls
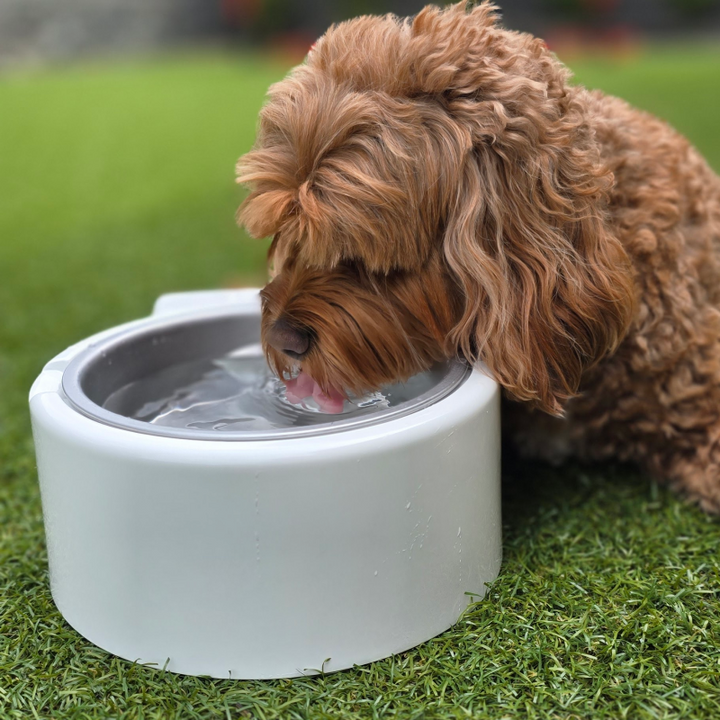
[(457, 372)]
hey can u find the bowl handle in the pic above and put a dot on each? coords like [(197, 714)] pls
[(245, 299)]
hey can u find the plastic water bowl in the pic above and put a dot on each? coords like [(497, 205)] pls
[(268, 552)]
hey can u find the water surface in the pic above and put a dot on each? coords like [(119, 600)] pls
[(239, 392)]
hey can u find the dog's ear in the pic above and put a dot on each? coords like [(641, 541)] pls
[(547, 286)]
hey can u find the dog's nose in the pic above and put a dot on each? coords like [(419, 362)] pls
[(287, 338)]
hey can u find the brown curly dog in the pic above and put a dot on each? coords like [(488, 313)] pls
[(435, 187)]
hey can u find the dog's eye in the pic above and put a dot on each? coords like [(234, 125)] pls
[(350, 267)]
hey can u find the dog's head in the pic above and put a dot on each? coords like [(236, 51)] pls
[(433, 188)]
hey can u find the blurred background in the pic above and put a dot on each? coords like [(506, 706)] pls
[(121, 121), (37, 30)]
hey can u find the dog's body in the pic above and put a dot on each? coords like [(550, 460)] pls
[(435, 187), (656, 400)]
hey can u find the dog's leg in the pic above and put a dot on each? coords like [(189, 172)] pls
[(690, 461), (531, 433), (678, 437), (668, 422), (696, 475), (666, 419)]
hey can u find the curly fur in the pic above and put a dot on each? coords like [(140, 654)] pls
[(436, 187)]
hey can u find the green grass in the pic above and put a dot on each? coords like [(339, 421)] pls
[(116, 185)]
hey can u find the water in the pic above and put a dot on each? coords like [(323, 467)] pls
[(239, 392)]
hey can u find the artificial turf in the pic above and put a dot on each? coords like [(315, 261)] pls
[(116, 185)]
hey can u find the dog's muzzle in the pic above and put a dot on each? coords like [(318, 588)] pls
[(288, 339)]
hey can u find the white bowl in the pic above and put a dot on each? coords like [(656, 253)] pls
[(264, 557)]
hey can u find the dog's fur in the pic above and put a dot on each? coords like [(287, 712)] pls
[(435, 187)]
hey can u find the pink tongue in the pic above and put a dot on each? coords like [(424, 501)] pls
[(303, 386)]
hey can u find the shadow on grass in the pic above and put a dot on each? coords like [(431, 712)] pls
[(536, 494)]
